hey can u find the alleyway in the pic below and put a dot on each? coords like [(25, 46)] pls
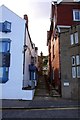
[(42, 90)]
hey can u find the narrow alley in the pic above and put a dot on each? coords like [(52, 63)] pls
[(42, 90), (39, 59)]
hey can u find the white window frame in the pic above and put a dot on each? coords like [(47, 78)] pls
[(76, 37), (74, 72), (74, 17), (77, 59), (72, 39), (78, 71)]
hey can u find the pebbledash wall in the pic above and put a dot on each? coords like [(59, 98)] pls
[(70, 62), (12, 89)]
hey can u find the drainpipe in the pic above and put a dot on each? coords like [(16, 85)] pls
[(60, 62)]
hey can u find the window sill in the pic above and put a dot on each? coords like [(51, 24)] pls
[(28, 88), (74, 45)]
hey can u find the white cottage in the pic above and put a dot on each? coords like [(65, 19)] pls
[(14, 58), (30, 61)]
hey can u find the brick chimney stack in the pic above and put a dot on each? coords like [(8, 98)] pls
[(26, 18)]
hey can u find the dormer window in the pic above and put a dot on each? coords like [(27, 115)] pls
[(5, 27), (76, 15)]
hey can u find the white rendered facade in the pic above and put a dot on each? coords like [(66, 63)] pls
[(12, 89)]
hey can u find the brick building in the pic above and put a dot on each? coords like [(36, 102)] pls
[(58, 41)]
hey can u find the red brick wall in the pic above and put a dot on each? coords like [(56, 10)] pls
[(55, 61), (65, 14)]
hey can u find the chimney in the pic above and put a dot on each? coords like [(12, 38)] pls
[(26, 18), (41, 54)]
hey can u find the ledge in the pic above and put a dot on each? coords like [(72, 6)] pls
[(28, 88)]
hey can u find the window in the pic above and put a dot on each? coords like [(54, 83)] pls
[(7, 26), (32, 60), (4, 59), (72, 39), (73, 72), (77, 59), (4, 46), (8, 47), (4, 73), (76, 37), (78, 72), (76, 66), (1, 72), (76, 15), (73, 60), (0, 47)]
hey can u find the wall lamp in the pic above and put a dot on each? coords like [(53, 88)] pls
[(25, 47)]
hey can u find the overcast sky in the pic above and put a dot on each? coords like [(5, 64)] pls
[(38, 12)]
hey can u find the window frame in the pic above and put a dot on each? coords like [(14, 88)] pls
[(1, 72), (74, 74), (78, 68), (72, 39), (74, 16), (5, 44), (76, 37), (73, 57), (77, 59)]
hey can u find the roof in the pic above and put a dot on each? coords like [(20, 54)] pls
[(4, 7), (29, 37), (60, 1)]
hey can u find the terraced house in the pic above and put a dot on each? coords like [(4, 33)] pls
[(18, 57), (63, 42)]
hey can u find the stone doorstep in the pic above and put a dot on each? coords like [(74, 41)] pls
[(55, 95)]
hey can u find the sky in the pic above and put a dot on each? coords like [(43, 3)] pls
[(38, 12)]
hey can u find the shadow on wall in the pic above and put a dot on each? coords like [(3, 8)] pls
[(54, 79)]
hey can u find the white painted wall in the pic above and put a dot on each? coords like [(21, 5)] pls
[(27, 60), (13, 88), (29, 52)]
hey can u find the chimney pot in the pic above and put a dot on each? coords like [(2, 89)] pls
[(26, 18)]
